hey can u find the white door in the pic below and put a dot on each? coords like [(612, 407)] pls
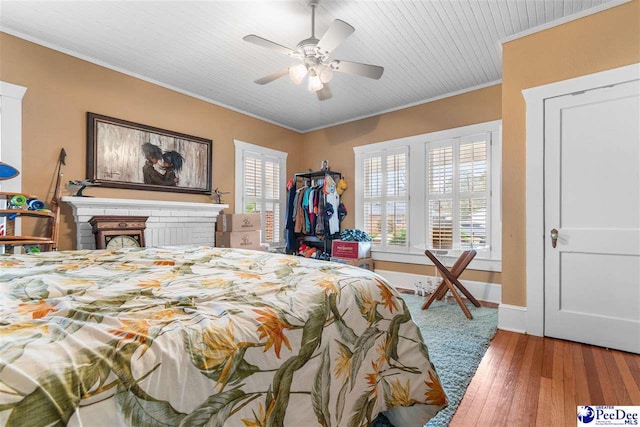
[(592, 199)]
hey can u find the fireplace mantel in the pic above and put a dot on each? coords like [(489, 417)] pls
[(169, 223)]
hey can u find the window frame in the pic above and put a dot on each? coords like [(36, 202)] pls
[(241, 150), (417, 232)]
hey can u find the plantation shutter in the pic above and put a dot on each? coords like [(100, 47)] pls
[(262, 192), (472, 213), (385, 198), (458, 192), (372, 170), (440, 194), (271, 216)]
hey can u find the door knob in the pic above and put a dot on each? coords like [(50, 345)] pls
[(554, 237)]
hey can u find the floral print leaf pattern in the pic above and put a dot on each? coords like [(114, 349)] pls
[(394, 328), (30, 290), (221, 403), (359, 416), (12, 351), (140, 409), (59, 392), (311, 335), (320, 393), (346, 333), (362, 347), (198, 336), (48, 412), (341, 401)]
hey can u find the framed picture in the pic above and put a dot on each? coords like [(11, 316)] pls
[(124, 154)]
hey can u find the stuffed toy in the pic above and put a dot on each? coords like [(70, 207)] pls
[(342, 186)]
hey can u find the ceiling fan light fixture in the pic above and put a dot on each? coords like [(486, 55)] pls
[(297, 73), (314, 82), (325, 73)]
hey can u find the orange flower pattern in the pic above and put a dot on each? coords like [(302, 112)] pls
[(435, 393), (388, 297), (272, 328), (37, 310), (132, 330)]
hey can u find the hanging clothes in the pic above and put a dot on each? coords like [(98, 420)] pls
[(290, 234), (305, 209), (333, 199), (299, 211)]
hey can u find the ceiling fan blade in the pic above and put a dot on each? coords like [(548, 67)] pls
[(324, 93), (272, 77), (357, 69), (337, 33), (252, 38)]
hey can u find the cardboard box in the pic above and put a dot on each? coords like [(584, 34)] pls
[(366, 263), (352, 250), (238, 222), (238, 239)]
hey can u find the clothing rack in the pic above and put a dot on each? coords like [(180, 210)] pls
[(310, 179)]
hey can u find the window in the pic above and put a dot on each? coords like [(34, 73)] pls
[(439, 190), (260, 182), (385, 198)]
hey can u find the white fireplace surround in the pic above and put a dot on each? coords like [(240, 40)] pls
[(169, 223)]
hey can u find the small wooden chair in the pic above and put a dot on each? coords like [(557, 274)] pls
[(450, 278)]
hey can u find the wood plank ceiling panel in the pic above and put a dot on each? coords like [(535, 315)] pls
[(428, 48)]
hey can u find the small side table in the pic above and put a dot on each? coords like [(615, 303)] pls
[(450, 278)]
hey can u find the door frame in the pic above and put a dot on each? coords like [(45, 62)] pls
[(11, 137), (11, 128), (535, 233)]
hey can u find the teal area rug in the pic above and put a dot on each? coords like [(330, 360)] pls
[(456, 345)]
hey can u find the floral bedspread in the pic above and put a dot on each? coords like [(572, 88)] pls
[(203, 336)]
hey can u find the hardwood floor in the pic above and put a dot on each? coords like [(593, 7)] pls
[(533, 381)]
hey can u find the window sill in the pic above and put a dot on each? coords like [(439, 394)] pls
[(482, 264)]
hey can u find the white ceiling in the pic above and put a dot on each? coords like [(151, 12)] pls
[(427, 48)]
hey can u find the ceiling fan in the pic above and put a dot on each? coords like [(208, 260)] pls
[(314, 55)]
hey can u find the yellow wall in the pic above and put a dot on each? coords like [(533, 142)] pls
[(60, 91), (336, 145), (595, 43)]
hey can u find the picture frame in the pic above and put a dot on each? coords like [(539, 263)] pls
[(124, 154)]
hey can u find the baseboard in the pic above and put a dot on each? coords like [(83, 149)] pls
[(512, 318), (487, 292)]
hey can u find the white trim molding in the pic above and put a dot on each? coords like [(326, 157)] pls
[(535, 99), (512, 318), (487, 292)]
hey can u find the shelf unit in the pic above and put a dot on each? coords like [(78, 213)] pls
[(47, 242), (313, 240)]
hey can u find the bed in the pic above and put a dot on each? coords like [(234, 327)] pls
[(196, 336)]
